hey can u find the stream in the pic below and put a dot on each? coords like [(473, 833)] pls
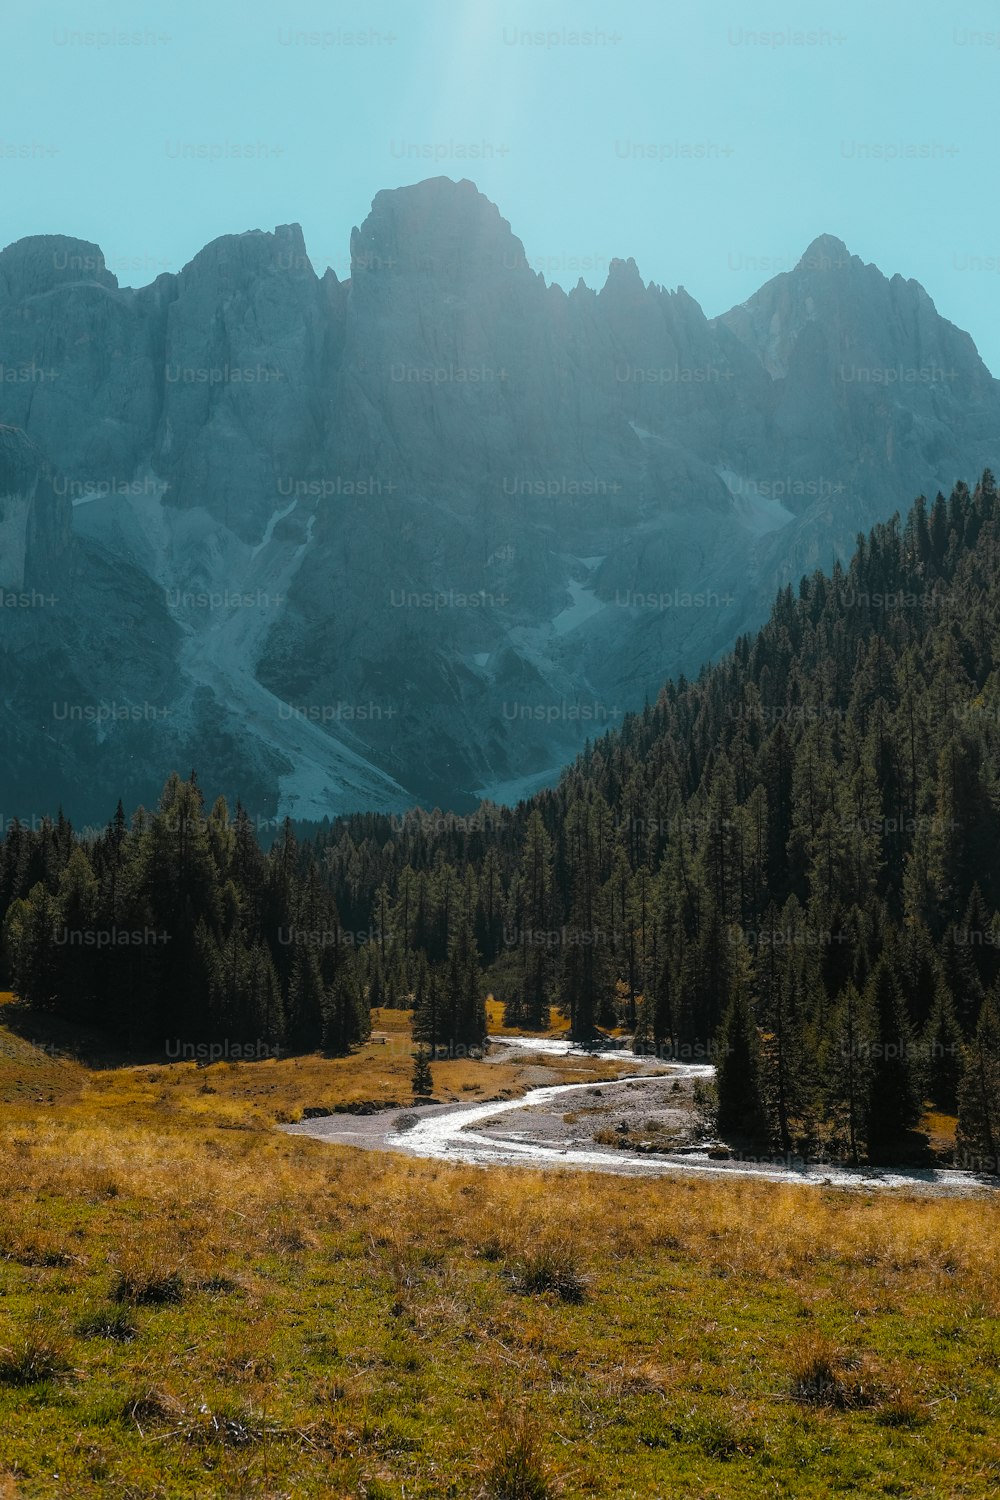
[(448, 1132)]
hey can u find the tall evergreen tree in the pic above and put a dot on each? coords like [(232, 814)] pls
[(978, 1136), (846, 1066), (423, 1081), (534, 924), (943, 1048), (742, 1111), (893, 1102)]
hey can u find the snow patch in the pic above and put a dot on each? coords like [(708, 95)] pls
[(759, 510), (585, 603), (646, 435), (194, 557), (279, 515)]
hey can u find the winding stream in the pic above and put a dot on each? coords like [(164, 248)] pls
[(454, 1133), (451, 1135)]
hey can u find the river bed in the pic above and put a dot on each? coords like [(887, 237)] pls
[(644, 1124)]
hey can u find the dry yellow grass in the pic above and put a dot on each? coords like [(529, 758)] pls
[(299, 1319), (495, 1023), (261, 1093)]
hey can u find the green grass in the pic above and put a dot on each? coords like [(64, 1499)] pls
[(191, 1309)]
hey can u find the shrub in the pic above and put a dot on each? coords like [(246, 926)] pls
[(514, 1468), (32, 1360), (107, 1323), (823, 1378), (902, 1411), (551, 1268), (141, 1287)]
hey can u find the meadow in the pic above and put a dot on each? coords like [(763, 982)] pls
[(195, 1304)]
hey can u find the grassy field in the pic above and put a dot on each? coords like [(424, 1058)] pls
[(495, 1022), (193, 1304)]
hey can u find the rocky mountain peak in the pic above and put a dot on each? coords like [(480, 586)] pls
[(827, 253), (878, 331), (457, 497), (624, 273), (42, 262), (254, 252), (624, 286), (437, 228)]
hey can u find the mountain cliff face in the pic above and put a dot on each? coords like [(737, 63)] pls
[(34, 521), (854, 355), (421, 533)]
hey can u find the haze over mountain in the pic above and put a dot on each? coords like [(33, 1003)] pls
[(418, 534)]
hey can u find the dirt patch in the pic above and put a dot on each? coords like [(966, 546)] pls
[(643, 1117)]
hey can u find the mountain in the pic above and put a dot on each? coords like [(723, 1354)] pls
[(34, 522), (418, 535), (787, 868)]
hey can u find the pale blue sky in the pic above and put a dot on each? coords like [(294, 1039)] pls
[(91, 134)]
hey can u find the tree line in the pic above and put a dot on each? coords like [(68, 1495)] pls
[(788, 866)]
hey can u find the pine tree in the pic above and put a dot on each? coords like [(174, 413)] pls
[(263, 1008), (977, 930), (423, 1082), (585, 982), (428, 1006), (919, 973), (942, 1052), (464, 996), (893, 1102), (76, 918), (28, 938), (345, 1018), (958, 970), (738, 1072), (306, 1002), (977, 1139), (780, 983), (846, 1066), (534, 920), (489, 914)]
